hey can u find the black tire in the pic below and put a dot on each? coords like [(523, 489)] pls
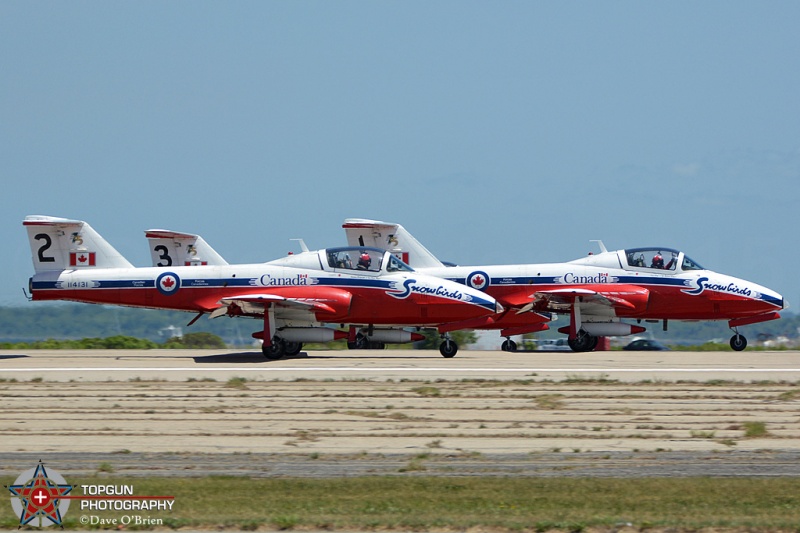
[(448, 349), (593, 344), (738, 342), (509, 346), (275, 351), (583, 342), (293, 348)]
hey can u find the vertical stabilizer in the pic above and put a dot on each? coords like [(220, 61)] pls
[(174, 248), (391, 237), (63, 244)]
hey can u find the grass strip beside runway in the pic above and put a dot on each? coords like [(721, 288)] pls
[(457, 503)]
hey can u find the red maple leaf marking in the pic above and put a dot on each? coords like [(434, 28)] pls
[(168, 283), (82, 258), (477, 280)]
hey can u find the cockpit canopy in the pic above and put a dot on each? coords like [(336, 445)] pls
[(364, 259), (659, 259), (355, 258), (665, 260)]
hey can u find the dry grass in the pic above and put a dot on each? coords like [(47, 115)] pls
[(449, 504)]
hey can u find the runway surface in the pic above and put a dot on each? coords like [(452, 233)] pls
[(179, 365), (403, 412)]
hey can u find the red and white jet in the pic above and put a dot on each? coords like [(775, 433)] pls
[(294, 296), (650, 284)]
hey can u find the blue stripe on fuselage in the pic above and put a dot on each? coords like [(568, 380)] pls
[(532, 281), (216, 283)]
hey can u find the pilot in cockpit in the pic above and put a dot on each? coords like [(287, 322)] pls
[(658, 261), (364, 261)]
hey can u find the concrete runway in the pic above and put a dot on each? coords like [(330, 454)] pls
[(368, 412), (180, 365)]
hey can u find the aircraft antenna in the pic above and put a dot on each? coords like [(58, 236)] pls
[(600, 244), (302, 244)]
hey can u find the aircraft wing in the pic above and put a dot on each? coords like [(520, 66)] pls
[(322, 303), (628, 298)]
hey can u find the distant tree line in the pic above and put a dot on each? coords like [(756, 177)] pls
[(200, 340), (38, 322)]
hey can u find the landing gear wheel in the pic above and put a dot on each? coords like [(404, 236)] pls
[(275, 351), (361, 343), (593, 344), (509, 346), (738, 342), (293, 348), (583, 342), (448, 348)]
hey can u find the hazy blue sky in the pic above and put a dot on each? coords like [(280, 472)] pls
[(496, 132)]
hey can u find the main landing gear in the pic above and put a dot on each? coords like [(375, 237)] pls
[(583, 342), (280, 348), (363, 343)]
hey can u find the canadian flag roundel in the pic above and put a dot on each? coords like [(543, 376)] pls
[(168, 283), (478, 280)]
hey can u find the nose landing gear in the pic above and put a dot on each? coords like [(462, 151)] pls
[(509, 346), (448, 348), (738, 342)]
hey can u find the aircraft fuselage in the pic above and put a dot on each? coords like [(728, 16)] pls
[(407, 298)]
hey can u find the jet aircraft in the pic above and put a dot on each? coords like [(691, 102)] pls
[(294, 296), (648, 284), (168, 247)]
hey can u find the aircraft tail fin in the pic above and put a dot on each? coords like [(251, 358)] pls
[(392, 237), (62, 244), (175, 248)]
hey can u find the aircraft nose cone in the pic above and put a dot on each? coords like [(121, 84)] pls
[(775, 299)]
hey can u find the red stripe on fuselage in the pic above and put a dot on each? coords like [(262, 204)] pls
[(368, 306), (663, 302)]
